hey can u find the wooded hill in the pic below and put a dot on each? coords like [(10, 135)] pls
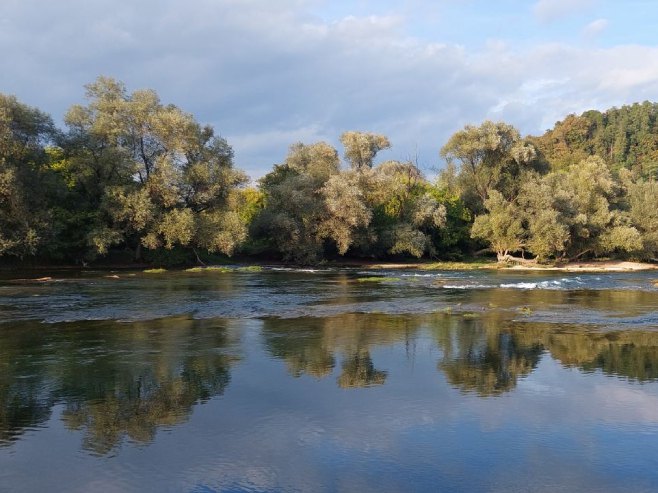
[(137, 179), (625, 137)]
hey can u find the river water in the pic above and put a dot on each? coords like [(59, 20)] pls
[(329, 380)]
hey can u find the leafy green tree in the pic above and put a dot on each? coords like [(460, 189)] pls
[(312, 206), (294, 202), (501, 226), (406, 212), (643, 214), (545, 204), (489, 157), (454, 238), (362, 147), (25, 178), (595, 227), (568, 143), (573, 213), (163, 179), (346, 210)]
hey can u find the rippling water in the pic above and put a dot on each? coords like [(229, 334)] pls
[(329, 380)]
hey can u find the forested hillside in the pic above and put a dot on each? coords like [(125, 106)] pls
[(142, 180), (625, 137)]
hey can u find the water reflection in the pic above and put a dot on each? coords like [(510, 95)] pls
[(114, 380), (309, 345), (119, 381), (486, 354), (25, 399), (359, 371), (301, 344), (391, 386), (489, 356), (481, 357), (631, 354), (611, 307)]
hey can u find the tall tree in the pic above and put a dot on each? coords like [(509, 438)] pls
[(573, 213), (406, 213), (489, 157), (164, 179), (501, 225), (24, 177), (294, 202), (362, 147), (643, 213)]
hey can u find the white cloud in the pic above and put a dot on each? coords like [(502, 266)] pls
[(595, 28), (267, 74)]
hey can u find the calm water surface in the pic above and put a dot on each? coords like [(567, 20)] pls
[(329, 380)]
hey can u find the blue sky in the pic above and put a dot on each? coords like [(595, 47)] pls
[(270, 73), (472, 23)]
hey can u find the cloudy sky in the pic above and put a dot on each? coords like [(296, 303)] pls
[(267, 73)]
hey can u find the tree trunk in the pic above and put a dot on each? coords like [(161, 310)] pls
[(580, 254), (198, 259), (506, 257)]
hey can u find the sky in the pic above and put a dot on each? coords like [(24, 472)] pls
[(269, 73)]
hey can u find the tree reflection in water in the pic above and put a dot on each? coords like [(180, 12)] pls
[(631, 354), (126, 381), (309, 345), (480, 357), (25, 397), (486, 355), (119, 381), (359, 371)]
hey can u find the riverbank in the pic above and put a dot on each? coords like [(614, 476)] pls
[(45, 272), (591, 266), (594, 266)]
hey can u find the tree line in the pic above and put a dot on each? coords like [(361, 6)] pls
[(132, 177)]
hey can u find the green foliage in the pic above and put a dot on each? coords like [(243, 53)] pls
[(211, 268), (362, 147), (311, 206), (501, 225), (454, 238), (625, 137), (182, 194), (406, 213), (294, 205), (132, 174), (250, 268), (378, 279), (643, 214), (545, 204), (250, 201), (489, 157), (26, 182), (346, 210), (569, 213), (471, 264)]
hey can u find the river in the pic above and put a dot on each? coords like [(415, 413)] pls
[(329, 380)]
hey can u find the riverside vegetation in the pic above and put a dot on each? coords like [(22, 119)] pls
[(131, 178)]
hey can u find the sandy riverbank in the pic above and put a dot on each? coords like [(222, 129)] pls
[(592, 266)]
